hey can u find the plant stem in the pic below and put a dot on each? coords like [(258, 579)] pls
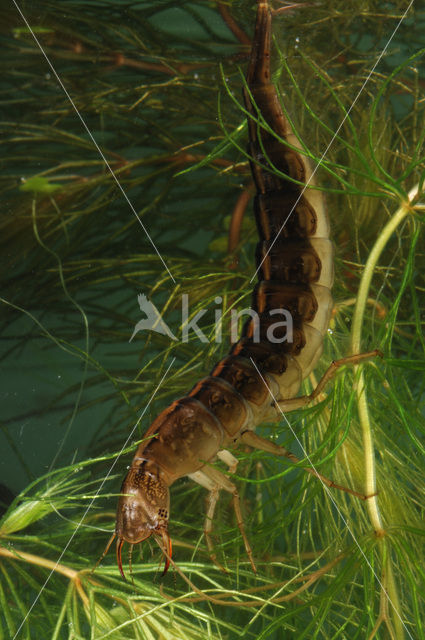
[(69, 573), (362, 296), (370, 476), (39, 561)]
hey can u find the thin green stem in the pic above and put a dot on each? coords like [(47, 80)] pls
[(356, 347), (392, 594), (369, 456)]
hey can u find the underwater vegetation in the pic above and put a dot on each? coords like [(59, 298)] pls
[(123, 169)]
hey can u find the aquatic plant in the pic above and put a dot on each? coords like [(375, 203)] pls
[(158, 89)]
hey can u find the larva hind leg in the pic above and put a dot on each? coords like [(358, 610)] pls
[(214, 481), (302, 401), (257, 442)]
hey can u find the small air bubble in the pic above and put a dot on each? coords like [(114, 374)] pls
[(47, 76)]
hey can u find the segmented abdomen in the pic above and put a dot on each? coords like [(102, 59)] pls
[(295, 270), (294, 254)]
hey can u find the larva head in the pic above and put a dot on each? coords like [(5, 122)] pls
[(143, 509)]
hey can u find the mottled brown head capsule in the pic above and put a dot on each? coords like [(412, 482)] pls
[(143, 508)]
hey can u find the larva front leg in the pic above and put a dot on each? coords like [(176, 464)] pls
[(213, 480)]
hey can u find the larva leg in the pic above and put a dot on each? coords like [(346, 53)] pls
[(257, 442), (302, 401), (213, 493), (228, 459), (216, 481), (214, 490), (212, 500)]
